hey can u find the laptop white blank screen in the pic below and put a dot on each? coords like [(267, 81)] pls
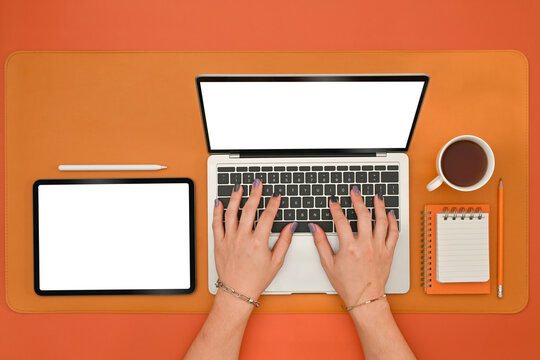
[(114, 236), (266, 115)]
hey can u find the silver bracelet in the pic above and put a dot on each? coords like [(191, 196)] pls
[(349, 308), (219, 284)]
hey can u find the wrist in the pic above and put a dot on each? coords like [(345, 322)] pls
[(367, 292), (228, 303), (370, 313), (245, 288), (239, 294)]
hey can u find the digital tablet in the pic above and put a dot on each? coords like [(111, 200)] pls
[(114, 236)]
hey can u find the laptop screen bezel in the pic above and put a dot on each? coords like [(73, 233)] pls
[(299, 78)]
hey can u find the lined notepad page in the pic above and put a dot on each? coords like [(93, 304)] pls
[(462, 249)]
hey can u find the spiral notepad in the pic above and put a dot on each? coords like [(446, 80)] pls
[(455, 256)]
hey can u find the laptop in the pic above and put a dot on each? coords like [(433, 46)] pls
[(310, 137)]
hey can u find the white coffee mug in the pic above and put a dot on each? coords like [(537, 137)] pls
[(440, 179)]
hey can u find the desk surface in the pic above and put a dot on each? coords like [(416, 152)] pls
[(131, 107), (62, 25)]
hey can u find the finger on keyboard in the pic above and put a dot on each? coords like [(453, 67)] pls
[(381, 220), (264, 225), (362, 213), (342, 224), (231, 215), (249, 210)]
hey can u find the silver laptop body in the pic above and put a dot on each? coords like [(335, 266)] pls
[(355, 128)]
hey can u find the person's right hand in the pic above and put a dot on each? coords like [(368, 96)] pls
[(360, 269)]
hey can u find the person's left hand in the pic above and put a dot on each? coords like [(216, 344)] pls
[(244, 261)]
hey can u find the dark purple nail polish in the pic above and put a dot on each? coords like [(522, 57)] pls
[(392, 213), (333, 199), (312, 228), (293, 226), (236, 187), (276, 193), (216, 203), (356, 190), (256, 183), (379, 195)]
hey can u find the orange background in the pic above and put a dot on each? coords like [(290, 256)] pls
[(279, 25)]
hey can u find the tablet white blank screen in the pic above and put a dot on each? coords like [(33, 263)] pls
[(114, 236)]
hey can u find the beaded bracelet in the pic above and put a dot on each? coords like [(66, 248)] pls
[(220, 285), (349, 308)]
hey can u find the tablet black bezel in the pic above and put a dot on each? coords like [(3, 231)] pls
[(306, 78), (188, 181)]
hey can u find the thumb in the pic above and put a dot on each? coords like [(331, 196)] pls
[(282, 244), (326, 253)]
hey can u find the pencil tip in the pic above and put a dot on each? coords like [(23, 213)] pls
[(163, 167), (500, 183)]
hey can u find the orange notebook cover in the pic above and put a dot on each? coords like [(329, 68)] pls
[(429, 256)]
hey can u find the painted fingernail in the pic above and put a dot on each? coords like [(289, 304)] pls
[(356, 190), (392, 213), (379, 195), (216, 203), (236, 187), (276, 193), (256, 183), (312, 228), (293, 226), (333, 199)]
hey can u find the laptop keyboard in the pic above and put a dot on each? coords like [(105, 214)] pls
[(306, 190)]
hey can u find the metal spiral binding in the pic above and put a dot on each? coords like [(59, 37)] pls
[(426, 249), (479, 212), (453, 213)]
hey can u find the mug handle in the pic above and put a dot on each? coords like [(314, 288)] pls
[(435, 183)]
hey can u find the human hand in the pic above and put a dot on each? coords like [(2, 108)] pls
[(360, 269), (244, 261)]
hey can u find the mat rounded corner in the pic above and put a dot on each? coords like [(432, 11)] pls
[(13, 307), (520, 55), (14, 54), (521, 306)]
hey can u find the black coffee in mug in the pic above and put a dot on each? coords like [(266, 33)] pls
[(464, 163)]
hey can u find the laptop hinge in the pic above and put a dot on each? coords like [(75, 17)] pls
[(381, 154), (259, 155)]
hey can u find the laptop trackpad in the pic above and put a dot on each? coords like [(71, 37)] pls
[(302, 271)]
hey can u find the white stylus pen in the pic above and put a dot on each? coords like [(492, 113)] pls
[(109, 167)]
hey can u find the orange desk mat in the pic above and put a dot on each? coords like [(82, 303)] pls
[(141, 107)]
